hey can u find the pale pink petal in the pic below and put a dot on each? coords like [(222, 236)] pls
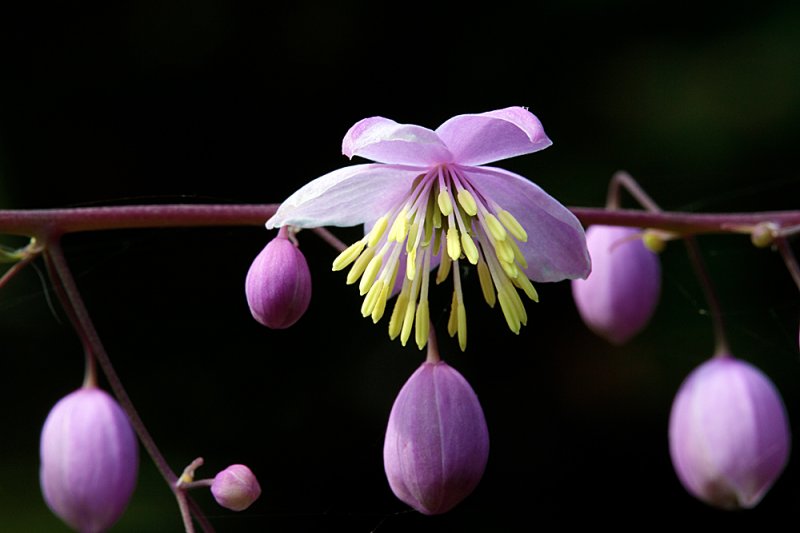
[(385, 141), (556, 245), (481, 138), (346, 197)]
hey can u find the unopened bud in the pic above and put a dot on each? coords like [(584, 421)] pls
[(89, 460), (620, 295), (235, 488), (278, 284), (437, 443), (728, 433)]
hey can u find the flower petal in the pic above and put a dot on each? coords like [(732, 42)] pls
[(556, 245), (386, 141), (481, 138), (345, 197)]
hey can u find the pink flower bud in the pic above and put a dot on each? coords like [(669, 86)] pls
[(728, 433), (89, 460), (620, 295), (235, 488), (437, 443), (278, 284)]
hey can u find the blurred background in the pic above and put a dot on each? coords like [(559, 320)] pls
[(217, 101)]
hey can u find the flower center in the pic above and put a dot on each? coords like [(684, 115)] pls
[(443, 216)]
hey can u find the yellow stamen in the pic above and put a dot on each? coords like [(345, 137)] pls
[(380, 305), (510, 269), (452, 322), (399, 227), (411, 243), (518, 257), (398, 313), (509, 311), (487, 287), (358, 267), (411, 264), (370, 273), (444, 269), (504, 250), (453, 244), (496, 229), (378, 230), (467, 202), (525, 284), (372, 298), (423, 324), (445, 205), (349, 255), (462, 326), (470, 250), (511, 224)]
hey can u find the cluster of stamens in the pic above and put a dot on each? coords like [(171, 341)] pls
[(443, 216)]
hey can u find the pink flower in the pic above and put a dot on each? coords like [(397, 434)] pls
[(728, 433), (278, 284), (89, 460), (429, 201), (236, 488), (620, 296), (437, 443)]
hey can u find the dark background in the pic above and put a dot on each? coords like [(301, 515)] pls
[(212, 101)]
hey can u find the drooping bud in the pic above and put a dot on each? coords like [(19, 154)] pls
[(437, 442), (620, 295), (236, 488), (729, 436), (278, 284), (89, 460)]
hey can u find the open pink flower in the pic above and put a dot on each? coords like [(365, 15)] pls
[(429, 201)]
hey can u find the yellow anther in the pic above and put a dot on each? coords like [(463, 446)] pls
[(504, 250), (372, 298), (411, 243), (408, 322), (761, 235), (452, 321), (444, 269), (462, 327), (453, 244), (496, 229), (378, 230), (428, 228), (422, 325), (399, 227), (349, 255), (411, 264), (436, 217), (467, 202), (655, 241), (358, 267), (511, 224), (510, 269), (518, 257), (370, 273), (380, 305), (519, 307), (398, 313), (470, 250), (487, 287), (509, 311), (445, 205), (525, 284)]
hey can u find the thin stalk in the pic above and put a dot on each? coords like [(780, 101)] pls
[(721, 347), (73, 303), (789, 259)]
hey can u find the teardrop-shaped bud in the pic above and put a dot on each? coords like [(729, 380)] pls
[(437, 442), (89, 460), (278, 284), (236, 488), (729, 436), (620, 295)]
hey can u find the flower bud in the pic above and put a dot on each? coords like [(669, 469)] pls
[(620, 295), (235, 488), (728, 433), (437, 443), (278, 284), (89, 460)]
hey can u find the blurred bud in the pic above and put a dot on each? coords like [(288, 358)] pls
[(89, 460), (763, 234), (278, 284), (235, 488), (437, 443), (728, 433), (620, 296)]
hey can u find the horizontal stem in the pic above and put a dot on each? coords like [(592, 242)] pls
[(39, 222), (34, 222)]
